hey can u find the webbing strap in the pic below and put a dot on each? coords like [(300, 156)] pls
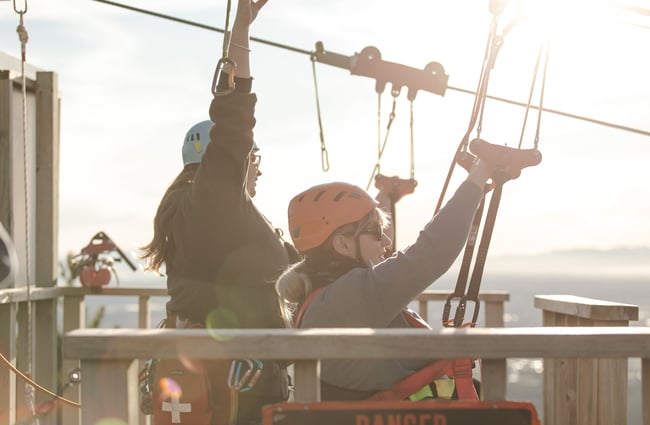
[(303, 307), (460, 370), (464, 382), (413, 383)]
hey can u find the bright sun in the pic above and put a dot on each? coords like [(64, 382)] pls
[(563, 18), (574, 29)]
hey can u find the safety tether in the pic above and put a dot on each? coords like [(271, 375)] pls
[(324, 156), (30, 385), (225, 63), (508, 162), (400, 187), (381, 146), (23, 37)]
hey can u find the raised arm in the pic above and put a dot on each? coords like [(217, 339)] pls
[(239, 51)]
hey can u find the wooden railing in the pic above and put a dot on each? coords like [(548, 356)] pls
[(44, 349), (45, 354), (589, 390), (107, 355)]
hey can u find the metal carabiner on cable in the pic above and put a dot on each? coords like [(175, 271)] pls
[(221, 64), (225, 60)]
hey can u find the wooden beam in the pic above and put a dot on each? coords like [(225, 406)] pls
[(122, 404), (6, 166), (47, 179), (586, 307), (313, 344)]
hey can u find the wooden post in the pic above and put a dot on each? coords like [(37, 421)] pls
[(7, 311), (307, 380), (6, 168), (47, 179), (645, 390), (493, 371), (7, 348), (46, 231), (585, 391), (121, 403), (74, 317), (144, 316)]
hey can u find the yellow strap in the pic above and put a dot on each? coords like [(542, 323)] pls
[(421, 394), (444, 387)]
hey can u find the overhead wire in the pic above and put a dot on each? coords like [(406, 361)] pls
[(451, 88)]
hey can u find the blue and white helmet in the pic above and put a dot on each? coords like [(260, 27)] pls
[(196, 141)]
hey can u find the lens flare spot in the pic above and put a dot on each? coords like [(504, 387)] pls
[(221, 318), (170, 388)]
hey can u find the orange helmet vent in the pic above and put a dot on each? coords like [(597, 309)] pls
[(318, 211)]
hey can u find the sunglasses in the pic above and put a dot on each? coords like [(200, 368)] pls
[(375, 230), (256, 159)]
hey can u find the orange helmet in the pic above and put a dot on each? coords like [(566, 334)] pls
[(318, 211)]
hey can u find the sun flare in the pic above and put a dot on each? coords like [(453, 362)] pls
[(564, 18)]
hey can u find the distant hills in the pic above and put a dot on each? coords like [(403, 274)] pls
[(620, 262)]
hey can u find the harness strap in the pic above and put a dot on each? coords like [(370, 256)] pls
[(460, 369), (413, 383), (303, 307), (464, 382)]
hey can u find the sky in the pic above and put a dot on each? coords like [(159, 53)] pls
[(131, 85)]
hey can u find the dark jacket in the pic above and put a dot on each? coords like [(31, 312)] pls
[(225, 254)]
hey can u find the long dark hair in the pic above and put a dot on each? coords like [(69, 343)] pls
[(155, 252)]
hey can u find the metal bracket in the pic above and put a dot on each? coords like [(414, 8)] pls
[(368, 63)]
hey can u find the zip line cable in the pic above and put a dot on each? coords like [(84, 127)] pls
[(310, 53), (199, 25)]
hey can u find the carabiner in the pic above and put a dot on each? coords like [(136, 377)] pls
[(231, 76), (247, 381)]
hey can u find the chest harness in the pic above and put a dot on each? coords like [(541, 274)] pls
[(417, 385)]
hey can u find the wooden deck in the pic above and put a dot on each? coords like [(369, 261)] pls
[(585, 345)]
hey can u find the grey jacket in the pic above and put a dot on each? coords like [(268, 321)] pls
[(374, 297)]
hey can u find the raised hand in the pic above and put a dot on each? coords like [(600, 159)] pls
[(247, 10)]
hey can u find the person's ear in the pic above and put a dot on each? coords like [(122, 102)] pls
[(343, 245)]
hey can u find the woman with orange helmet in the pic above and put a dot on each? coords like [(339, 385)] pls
[(352, 282)]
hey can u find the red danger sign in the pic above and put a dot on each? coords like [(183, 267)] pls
[(427, 412)]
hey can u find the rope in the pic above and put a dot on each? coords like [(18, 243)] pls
[(23, 37), (378, 170), (225, 61), (35, 385), (391, 118), (541, 96), (479, 102), (324, 156), (543, 47)]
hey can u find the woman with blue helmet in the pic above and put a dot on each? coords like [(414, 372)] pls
[(220, 254)]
